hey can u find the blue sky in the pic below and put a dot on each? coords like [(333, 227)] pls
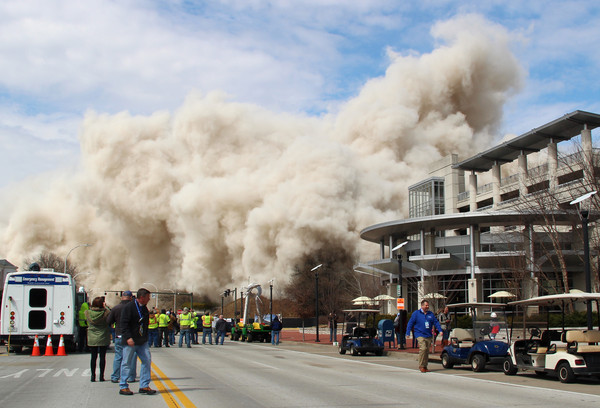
[(63, 58)]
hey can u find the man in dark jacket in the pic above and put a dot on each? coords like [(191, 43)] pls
[(134, 332), (115, 318)]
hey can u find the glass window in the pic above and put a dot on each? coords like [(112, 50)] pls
[(38, 298), (37, 319)]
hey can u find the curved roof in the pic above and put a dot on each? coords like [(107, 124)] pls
[(404, 228)]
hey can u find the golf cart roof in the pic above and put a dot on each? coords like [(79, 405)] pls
[(361, 310), (476, 304), (557, 299)]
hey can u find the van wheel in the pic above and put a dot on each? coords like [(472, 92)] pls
[(446, 361), (508, 367), (478, 363), (565, 373)]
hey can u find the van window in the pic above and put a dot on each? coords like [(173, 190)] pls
[(37, 319), (38, 298)]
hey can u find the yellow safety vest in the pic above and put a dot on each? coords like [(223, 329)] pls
[(194, 321), (163, 320), (82, 319), (206, 321), (152, 323), (185, 319)]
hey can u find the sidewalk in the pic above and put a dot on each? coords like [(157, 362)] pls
[(308, 336)]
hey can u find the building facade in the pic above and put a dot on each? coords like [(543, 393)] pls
[(465, 239)]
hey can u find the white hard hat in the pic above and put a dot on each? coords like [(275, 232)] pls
[(493, 315)]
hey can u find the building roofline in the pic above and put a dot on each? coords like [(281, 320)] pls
[(563, 128), (412, 226)]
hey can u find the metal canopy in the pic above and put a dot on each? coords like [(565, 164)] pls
[(564, 128)]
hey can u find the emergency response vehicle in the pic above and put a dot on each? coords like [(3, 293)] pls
[(39, 303)]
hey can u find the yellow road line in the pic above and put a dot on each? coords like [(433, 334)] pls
[(158, 376)]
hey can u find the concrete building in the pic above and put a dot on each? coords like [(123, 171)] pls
[(466, 240)]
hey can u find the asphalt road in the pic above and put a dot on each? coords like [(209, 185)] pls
[(289, 375)]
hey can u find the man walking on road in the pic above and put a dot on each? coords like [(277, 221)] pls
[(423, 321), (134, 329)]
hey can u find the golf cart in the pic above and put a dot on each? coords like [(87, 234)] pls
[(360, 339), (566, 353), (486, 343)]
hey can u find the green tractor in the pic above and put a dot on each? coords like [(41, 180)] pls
[(258, 331)]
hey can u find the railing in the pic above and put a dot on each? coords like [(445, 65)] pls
[(463, 196)]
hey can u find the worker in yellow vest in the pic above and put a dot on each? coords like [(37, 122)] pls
[(163, 328), (83, 325), (207, 328), (194, 330), (185, 322), (153, 329)]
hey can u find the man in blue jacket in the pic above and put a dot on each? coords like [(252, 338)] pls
[(423, 321)]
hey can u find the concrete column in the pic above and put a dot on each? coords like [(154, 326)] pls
[(381, 249), (473, 191), (474, 244), (391, 246), (422, 242), (522, 174), (586, 145), (552, 165), (496, 185)]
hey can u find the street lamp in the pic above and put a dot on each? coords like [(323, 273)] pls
[(271, 301), (584, 213), (317, 298), (399, 259), (155, 293), (71, 250), (174, 297)]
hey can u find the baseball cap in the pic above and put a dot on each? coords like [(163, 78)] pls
[(127, 293)]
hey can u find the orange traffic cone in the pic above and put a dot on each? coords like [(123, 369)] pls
[(61, 347), (49, 350), (36, 347)]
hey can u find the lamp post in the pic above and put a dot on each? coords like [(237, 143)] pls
[(399, 259), (155, 292), (71, 250), (271, 301), (584, 213), (317, 298), (174, 297)]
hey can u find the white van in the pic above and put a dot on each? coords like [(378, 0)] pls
[(39, 303)]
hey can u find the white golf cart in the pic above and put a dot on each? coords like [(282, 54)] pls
[(567, 353)]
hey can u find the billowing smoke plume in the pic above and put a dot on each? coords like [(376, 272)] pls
[(220, 191)]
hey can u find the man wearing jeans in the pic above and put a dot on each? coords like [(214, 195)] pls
[(423, 321), (134, 332), (115, 318)]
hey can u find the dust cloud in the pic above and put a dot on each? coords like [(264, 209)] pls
[(220, 192)]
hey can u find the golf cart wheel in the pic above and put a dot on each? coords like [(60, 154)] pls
[(446, 361), (341, 349), (478, 363), (508, 367), (353, 350), (565, 373), (249, 338)]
